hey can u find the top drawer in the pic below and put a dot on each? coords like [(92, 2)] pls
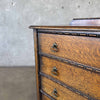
[(85, 50)]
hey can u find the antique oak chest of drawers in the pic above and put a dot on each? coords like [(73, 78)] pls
[(67, 62)]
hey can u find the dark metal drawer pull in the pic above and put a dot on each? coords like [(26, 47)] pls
[(55, 93), (54, 71), (54, 47)]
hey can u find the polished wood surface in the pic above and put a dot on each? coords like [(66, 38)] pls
[(63, 94), (78, 78), (85, 50), (67, 62), (66, 27)]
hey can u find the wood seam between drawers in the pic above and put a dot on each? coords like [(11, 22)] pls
[(69, 87), (47, 95), (79, 65)]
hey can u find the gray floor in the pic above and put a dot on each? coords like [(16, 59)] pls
[(17, 84)]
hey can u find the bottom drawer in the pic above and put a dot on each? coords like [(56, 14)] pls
[(45, 97), (57, 91)]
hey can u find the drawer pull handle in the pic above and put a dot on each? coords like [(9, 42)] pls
[(54, 71), (54, 48), (55, 93)]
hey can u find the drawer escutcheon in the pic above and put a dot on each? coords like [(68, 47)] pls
[(55, 93), (55, 71), (54, 47)]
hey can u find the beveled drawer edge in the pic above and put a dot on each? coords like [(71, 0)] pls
[(87, 96), (76, 64), (44, 93), (86, 33)]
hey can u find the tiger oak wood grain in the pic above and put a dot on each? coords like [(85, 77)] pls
[(85, 50), (63, 94), (78, 78)]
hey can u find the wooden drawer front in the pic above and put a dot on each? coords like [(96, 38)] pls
[(83, 80), (62, 93), (45, 97), (85, 50)]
